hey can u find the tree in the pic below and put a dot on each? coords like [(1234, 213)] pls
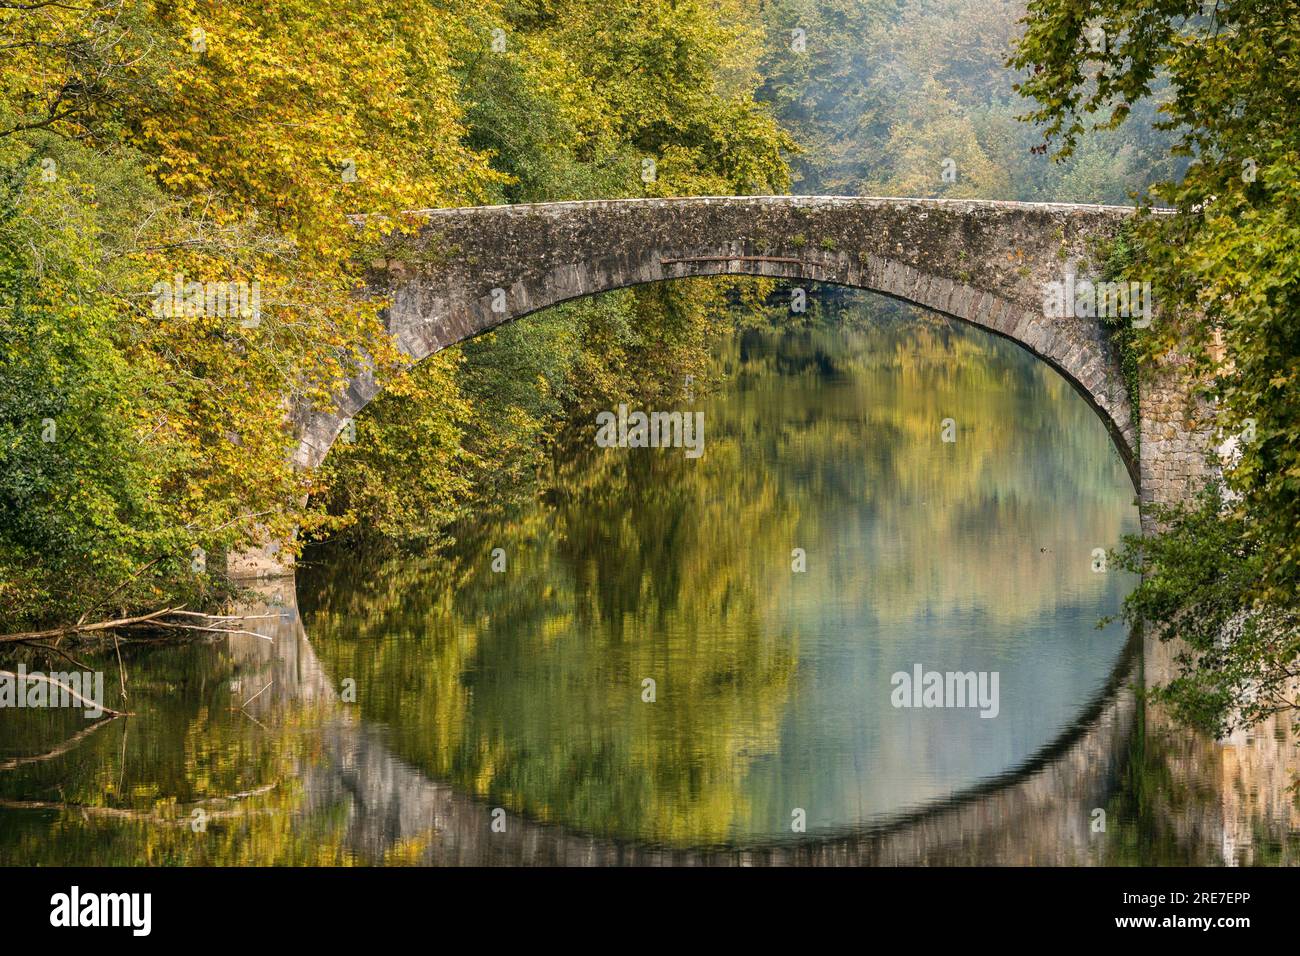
[(1226, 266)]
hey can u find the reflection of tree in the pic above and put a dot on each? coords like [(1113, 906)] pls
[(1031, 478), (525, 686), (639, 570), (1188, 799), (127, 793)]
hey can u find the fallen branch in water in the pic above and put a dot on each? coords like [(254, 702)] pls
[(86, 628), (155, 621), (121, 668), (214, 630), (214, 623), (145, 567), (180, 815)]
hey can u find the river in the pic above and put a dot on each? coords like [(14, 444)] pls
[(669, 658)]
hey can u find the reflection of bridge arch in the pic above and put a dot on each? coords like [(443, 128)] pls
[(986, 263), (1018, 817)]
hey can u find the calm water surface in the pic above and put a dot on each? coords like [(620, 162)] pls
[(404, 699)]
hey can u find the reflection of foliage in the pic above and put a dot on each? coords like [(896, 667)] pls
[(1018, 425), (524, 686), (128, 792), (1183, 794), (446, 674), (1147, 798)]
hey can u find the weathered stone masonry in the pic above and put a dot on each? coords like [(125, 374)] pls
[(469, 270), (1176, 426)]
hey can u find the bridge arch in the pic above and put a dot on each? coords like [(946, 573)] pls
[(467, 271)]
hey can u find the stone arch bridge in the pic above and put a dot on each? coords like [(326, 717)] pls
[(987, 263)]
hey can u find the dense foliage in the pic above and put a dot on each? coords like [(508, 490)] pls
[(878, 96), (146, 147)]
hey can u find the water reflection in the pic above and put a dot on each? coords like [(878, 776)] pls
[(522, 689), (525, 687)]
